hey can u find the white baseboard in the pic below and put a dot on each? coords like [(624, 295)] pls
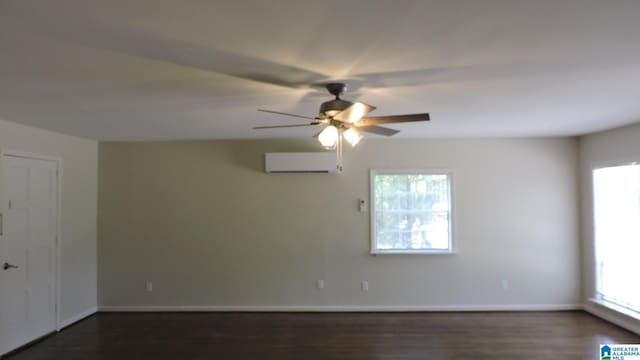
[(613, 316), (74, 319), (591, 307), (346, 308)]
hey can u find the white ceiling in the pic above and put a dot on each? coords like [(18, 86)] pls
[(185, 69)]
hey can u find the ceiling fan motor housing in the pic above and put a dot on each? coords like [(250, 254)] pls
[(331, 108)]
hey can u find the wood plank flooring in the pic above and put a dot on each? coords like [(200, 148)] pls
[(398, 336)]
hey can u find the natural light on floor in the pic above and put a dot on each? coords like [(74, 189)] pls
[(617, 234)]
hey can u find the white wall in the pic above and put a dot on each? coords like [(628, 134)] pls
[(203, 222), (622, 144), (79, 209)]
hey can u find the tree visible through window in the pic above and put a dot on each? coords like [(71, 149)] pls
[(411, 212)]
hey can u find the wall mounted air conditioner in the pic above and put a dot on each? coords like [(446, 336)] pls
[(301, 162)]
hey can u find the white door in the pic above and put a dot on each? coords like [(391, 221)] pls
[(28, 251)]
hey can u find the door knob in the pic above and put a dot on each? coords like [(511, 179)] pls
[(8, 266)]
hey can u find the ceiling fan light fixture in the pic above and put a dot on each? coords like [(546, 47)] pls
[(329, 137), (352, 136), (342, 117)]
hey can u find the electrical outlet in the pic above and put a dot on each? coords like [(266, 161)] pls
[(320, 284), (149, 286), (365, 285)]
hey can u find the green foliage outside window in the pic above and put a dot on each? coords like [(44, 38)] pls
[(412, 211)]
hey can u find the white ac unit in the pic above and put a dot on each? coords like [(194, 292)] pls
[(301, 162)]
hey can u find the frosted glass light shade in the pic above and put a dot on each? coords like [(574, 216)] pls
[(352, 136), (329, 136)]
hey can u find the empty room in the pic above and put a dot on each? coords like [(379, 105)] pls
[(444, 179)]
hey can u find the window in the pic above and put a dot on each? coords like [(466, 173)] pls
[(411, 212), (616, 201)]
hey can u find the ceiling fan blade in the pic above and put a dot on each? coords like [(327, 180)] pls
[(393, 119), (150, 45), (354, 112), (400, 78), (448, 74), (287, 114), (378, 130), (286, 126)]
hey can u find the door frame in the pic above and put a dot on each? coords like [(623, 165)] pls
[(58, 247)]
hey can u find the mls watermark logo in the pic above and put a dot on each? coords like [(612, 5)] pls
[(620, 352)]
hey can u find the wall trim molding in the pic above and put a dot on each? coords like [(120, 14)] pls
[(600, 310), (590, 307), (76, 318), (340, 308)]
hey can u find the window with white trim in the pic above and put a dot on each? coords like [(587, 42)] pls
[(616, 207), (411, 212)]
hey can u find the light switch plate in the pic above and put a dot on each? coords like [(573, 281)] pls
[(365, 285), (362, 205)]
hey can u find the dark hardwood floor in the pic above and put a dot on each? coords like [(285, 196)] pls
[(522, 335)]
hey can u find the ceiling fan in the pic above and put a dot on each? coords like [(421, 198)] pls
[(344, 119)]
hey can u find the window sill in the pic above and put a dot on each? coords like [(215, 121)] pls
[(617, 308), (615, 314), (412, 252)]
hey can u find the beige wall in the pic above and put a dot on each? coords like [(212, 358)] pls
[(622, 144), (79, 208), (204, 222)]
